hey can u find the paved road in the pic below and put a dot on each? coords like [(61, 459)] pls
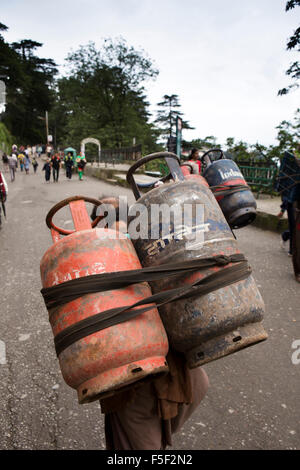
[(253, 401)]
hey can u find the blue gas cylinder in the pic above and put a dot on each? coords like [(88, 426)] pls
[(230, 189)]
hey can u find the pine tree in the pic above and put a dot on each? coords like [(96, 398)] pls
[(166, 117)]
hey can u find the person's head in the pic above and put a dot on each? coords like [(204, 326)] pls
[(194, 154), (69, 154)]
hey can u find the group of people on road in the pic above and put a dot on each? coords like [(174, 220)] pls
[(24, 157), (56, 161), (21, 157)]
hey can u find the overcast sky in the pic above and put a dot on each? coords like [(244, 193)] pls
[(226, 59)]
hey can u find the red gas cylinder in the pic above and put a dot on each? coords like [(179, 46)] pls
[(107, 361), (188, 169)]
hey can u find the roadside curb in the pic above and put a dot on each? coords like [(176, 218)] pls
[(107, 175), (270, 222)]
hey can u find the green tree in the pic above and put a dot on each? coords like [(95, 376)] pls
[(10, 69), (289, 133), (29, 80), (238, 150), (208, 142), (6, 139), (166, 116), (293, 43), (103, 95)]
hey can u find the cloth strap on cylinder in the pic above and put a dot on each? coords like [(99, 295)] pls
[(222, 278), (227, 189), (65, 292)]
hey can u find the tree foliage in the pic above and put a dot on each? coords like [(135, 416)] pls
[(28, 79), (103, 95), (293, 43), (208, 142), (289, 133), (167, 114), (6, 140), (288, 137)]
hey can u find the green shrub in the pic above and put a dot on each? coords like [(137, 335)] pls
[(6, 139)]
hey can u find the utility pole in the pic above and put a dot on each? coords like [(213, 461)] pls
[(47, 129), (178, 135)]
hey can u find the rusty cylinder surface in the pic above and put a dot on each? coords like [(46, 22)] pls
[(211, 326)]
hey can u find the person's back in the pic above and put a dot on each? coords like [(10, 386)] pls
[(47, 169), (69, 164), (21, 158), (3, 193), (81, 161), (49, 151), (46, 166), (27, 163), (55, 162), (69, 160), (145, 416), (12, 161), (34, 164), (15, 159)]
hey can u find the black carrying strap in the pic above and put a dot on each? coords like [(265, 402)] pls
[(60, 294), (228, 189), (118, 315)]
